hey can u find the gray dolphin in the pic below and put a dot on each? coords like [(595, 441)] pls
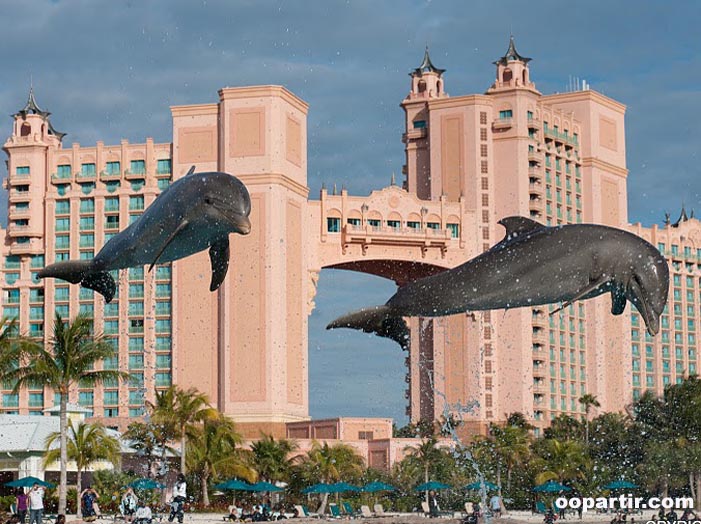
[(533, 265), (195, 213)]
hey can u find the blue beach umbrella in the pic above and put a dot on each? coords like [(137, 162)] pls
[(620, 484), (374, 487), (28, 482), (265, 486), (146, 484), (318, 488), (551, 486), (235, 485), (431, 485), (341, 487), (476, 486)]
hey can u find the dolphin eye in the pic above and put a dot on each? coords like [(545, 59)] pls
[(207, 200)]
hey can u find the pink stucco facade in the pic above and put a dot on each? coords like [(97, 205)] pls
[(470, 160)]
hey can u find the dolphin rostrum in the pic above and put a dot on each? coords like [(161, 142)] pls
[(195, 213), (533, 265)]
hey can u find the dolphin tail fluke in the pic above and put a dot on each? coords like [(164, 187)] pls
[(80, 272), (381, 320)]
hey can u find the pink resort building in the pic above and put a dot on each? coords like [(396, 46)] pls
[(470, 160)]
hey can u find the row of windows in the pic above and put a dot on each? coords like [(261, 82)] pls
[(136, 167), (333, 225), (678, 352), (666, 366)]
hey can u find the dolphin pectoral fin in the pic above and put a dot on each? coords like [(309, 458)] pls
[(178, 229), (219, 257), (618, 301), (580, 294), (380, 320), (102, 282)]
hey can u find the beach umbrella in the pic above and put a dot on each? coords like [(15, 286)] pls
[(551, 486), (318, 488), (265, 486), (620, 484), (235, 485), (373, 487), (341, 487), (146, 484), (431, 485), (28, 482), (476, 486)]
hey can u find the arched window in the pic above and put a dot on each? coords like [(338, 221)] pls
[(26, 129), (507, 76), (422, 86)]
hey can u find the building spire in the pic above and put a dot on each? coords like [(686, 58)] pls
[(427, 66), (512, 54), (31, 107)]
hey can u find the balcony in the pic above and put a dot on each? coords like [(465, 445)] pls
[(16, 197), (535, 156), (62, 179), (15, 213), (104, 175), (536, 188), (502, 123), (406, 236), (534, 122), (415, 134), (15, 230), (140, 175)]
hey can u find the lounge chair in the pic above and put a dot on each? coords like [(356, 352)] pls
[(348, 509), (380, 511), (365, 512), (335, 511), (540, 507), (306, 513)]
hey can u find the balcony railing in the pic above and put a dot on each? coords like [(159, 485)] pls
[(502, 123)]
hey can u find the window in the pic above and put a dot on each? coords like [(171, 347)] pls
[(483, 150), (484, 167), (22, 171), (86, 398), (137, 167), (483, 133), (86, 223), (86, 240), (483, 117), (136, 397), (136, 361), (333, 225), (87, 170), (136, 326), (62, 310), (87, 205), (10, 401), (111, 398), (163, 379), (163, 167), (162, 343), (136, 344), (112, 222), (111, 309), (163, 326), (112, 204), (136, 308), (36, 400), (136, 290), (163, 183), (136, 203), (110, 363), (136, 273), (365, 435), (111, 327), (63, 224), (63, 171), (505, 114), (12, 296), (419, 124), (163, 361), (163, 308), (454, 230), (112, 168)]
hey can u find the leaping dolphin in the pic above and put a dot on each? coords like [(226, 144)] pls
[(533, 265), (195, 213)]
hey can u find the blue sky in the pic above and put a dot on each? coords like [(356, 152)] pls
[(111, 69)]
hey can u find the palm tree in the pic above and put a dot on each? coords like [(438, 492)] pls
[(148, 440), (588, 400), (213, 452), (270, 458), (425, 456), (562, 461), (74, 351), (179, 410), (86, 444), (510, 445)]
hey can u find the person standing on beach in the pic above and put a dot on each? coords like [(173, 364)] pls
[(36, 504)]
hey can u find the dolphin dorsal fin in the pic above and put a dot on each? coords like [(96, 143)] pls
[(190, 171), (519, 225)]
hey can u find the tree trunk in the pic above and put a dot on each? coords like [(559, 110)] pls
[(697, 500), (205, 495), (183, 442), (426, 480), (63, 463), (692, 485), (508, 480), (79, 488)]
